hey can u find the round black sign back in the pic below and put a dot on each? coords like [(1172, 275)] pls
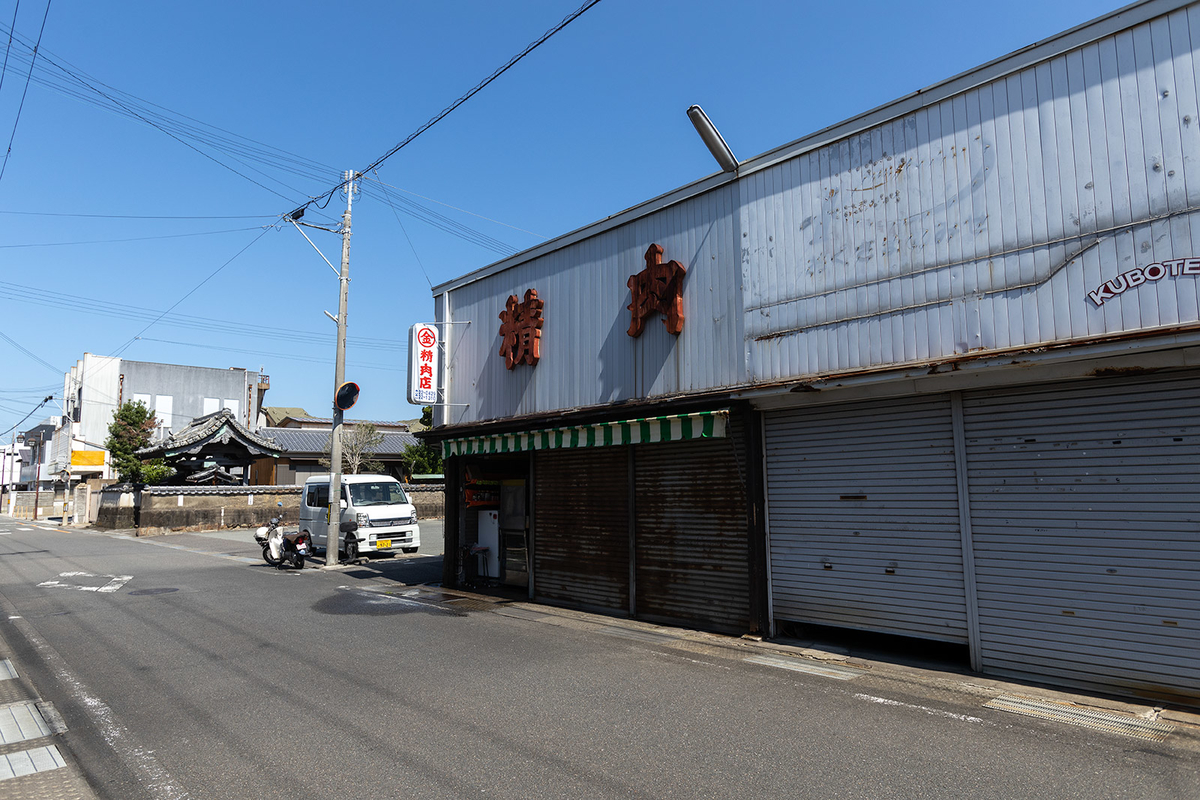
[(346, 396)]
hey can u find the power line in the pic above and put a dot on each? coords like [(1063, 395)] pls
[(381, 182), (27, 352), (567, 20), (8, 47), (21, 107), (27, 416), (243, 351), (134, 239), (405, 232), (53, 299), (139, 216)]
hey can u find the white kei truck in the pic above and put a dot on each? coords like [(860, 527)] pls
[(387, 520)]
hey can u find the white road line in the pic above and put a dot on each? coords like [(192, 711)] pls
[(931, 711), (158, 782), (115, 582)]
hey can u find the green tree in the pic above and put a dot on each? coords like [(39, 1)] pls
[(423, 459), (129, 432), (359, 443)]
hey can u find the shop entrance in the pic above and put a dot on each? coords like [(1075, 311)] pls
[(495, 550)]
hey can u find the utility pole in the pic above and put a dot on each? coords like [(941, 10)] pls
[(334, 534), (37, 475)]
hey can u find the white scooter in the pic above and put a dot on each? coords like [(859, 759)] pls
[(279, 548)]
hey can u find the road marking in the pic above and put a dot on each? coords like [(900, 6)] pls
[(27, 762), (934, 712), (158, 782), (24, 529), (115, 582)]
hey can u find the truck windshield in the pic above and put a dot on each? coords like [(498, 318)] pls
[(377, 493)]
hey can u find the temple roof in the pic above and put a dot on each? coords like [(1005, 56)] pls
[(220, 427)]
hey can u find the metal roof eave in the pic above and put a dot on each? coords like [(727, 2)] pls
[(1084, 33)]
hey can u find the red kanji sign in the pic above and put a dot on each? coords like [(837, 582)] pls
[(521, 330), (658, 287)]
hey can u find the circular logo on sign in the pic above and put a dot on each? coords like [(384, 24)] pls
[(426, 337)]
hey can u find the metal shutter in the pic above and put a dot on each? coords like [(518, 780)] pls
[(581, 527), (691, 547), (862, 509), (1085, 512)]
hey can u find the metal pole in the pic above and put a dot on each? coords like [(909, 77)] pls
[(37, 476), (334, 534), (4, 470)]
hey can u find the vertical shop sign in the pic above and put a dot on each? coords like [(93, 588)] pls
[(521, 330), (658, 287), (422, 364)]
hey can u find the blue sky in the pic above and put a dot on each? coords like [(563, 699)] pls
[(590, 123)]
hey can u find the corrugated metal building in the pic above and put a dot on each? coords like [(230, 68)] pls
[(937, 377)]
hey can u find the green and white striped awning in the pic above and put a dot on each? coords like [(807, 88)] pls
[(673, 428)]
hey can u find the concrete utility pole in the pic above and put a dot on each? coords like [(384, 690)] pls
[(334, 534)]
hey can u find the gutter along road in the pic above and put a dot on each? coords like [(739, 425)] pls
[(183, 666)]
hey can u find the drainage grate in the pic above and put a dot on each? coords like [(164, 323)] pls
[(7, 672), (824, 670), (1056, 711)]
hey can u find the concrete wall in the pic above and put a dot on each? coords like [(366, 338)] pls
[(189, 386), (49, 504), (117, 508)]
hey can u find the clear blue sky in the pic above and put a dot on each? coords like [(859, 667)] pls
[(587, 125)]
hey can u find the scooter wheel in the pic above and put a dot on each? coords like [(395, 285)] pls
[(299, 562), (274, 562)]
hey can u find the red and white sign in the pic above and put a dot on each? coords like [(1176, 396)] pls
[(423, 355)]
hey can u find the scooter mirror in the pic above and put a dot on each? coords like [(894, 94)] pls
[(280, 504)]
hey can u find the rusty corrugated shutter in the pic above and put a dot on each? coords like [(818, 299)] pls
[(581, 527), (692, 555)]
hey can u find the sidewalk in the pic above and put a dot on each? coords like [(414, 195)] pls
[(868, 669), (35, 761)]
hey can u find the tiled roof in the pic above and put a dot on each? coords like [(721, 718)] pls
[(219, 424), (309, 441), (329, 422)]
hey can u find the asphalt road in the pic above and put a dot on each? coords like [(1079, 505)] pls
[(184, 667)]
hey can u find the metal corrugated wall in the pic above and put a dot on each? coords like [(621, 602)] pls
[(587, 356), (982, 221), (581, 527), (691, 547), (1086, 529), (862, 504)]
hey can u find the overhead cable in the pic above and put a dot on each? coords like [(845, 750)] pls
[(567, 20), (21, 107)]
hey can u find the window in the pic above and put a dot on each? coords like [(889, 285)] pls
[(232, 405), (211, 405), (162, 409), (377, 493), (317, 497), (144, 399)]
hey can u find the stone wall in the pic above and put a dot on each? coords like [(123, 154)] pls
[(428, 498), (166, 509), (118, 508)]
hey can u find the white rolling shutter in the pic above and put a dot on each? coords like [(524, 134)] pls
[(1086, 530), (863, 518)]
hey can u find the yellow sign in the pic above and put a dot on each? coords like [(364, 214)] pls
[(87, 458)]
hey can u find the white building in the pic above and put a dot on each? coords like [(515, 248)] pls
[(97, 385)]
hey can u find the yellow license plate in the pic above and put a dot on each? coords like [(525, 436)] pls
[(382, 543)]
